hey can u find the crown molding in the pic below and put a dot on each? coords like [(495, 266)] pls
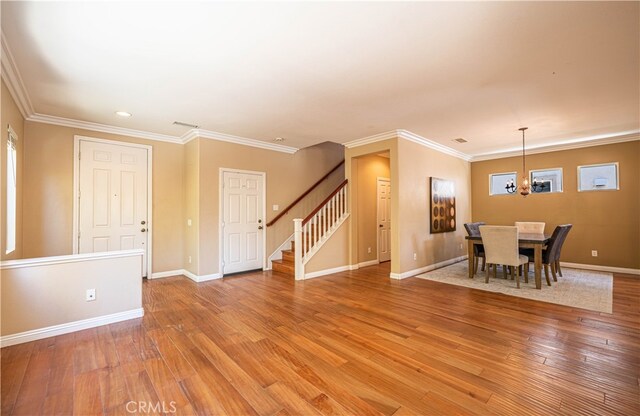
[(412, 137), (13, 80), (212, 135), (104, 128), (600, 140)]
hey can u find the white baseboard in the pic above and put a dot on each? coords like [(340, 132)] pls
[(61, 329), (601, 268), (369, 263), (425, 269), (326, 272), (169, 273), (201, 278)]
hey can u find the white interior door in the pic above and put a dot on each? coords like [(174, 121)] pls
[(242, 223), (384, 219), (112, 208)]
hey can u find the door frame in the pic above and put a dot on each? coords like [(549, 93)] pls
[(378, 179), (221, 173), (76, 186)]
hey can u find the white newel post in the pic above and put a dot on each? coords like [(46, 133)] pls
[(297, 238)]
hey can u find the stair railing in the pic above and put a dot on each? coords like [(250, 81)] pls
[(311, 232)]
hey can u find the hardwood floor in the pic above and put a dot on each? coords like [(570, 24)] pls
[(353, 343)]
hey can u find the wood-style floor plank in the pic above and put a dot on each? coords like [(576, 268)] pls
[(353, 343)]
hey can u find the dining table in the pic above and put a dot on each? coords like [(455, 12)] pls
[(536, 241)]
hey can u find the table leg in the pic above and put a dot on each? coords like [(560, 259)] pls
[(537, 257), (471, 259)]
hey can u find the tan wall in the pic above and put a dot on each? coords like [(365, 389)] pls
[(48, 204), (334, 253), (370, 168), (38, 296), (607, 221), (287, 176), (417, 165), (191, 190), (9, 114)]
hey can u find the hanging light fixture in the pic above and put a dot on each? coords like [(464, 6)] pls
[(525, 187)]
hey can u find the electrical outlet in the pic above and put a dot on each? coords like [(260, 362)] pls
[(189, 222), (189, 259), (369, 250), (91, 295), (276, 207), (460, 246), (415, 256), (594, 253)]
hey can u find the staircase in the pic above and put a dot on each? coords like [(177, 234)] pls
[(312, 232)]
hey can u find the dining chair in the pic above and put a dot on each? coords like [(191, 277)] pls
[(551, 254), (530, 227), (478, 249), (501, 247)]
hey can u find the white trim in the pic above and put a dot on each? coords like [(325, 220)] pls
[(407, 135), (368, 263), (428, 268), (610, 269), (326, 272), (73, 258), (212, 135), (221, 172), (169, 273), (103, 128), (599, 140), (201, 278), (76, 185), (372, 139), (324, 239), (66, 328), (616, 164), (13, 80)]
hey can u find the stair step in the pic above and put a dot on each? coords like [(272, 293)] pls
[(288, 256), (282, 267)]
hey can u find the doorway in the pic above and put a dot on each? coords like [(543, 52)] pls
[(242, 221), (112, 201)]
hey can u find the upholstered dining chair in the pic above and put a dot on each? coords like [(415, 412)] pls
[(501, 247), (478, 249), (530, 227), (551, 254)]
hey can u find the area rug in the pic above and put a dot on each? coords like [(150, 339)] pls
[(578, 288)]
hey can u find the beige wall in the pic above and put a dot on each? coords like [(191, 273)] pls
[(417, 165), (607, 221), (369, 169), (191, 191), (287, 176), (10, 115), (48, 204), (36, 295)]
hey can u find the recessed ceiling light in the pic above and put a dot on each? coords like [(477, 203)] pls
[(278, 139), (123, 114)]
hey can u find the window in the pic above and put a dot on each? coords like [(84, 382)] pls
[(602, 177), (545, 180), (498, 183), (11, 191)]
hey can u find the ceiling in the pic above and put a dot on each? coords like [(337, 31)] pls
[(336, 71)]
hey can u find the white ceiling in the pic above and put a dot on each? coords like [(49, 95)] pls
[(337, 71)]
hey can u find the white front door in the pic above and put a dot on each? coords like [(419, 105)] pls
[(384, 219), (242, 221), (112, 198)]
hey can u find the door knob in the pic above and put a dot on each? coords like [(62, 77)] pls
[(143, 230), (260, 227), (143, 222), (381, 225)]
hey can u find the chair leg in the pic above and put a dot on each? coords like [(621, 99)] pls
[(475, 265), (558, 269), (495, 271), (546, 273), (486, 280), (515, 275), (526, 273), (504, 271), (553, 271), (484, 262)]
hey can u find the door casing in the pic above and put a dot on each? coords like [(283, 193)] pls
[(221, 173), (76, 186)]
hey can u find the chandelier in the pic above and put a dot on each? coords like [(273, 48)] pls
[(525, 187)]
